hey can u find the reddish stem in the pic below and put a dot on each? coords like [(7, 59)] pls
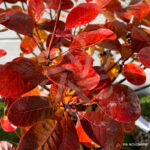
[(54, 30)]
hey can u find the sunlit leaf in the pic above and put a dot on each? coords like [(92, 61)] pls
[(83, 137), (28, 45), (36, 9), (86, 39), (2, 53), (134, 74), (6, 125), (109, 65), (82, 14)]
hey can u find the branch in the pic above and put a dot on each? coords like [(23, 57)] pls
[(144, 87), (54, 30)]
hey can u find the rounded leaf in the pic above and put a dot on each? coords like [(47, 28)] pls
[(29, 110), (19, 76), (120, 103), (102, 130), (82, 14), (134, 74), (144, 56)]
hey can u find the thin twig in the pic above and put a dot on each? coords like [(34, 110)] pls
[(23, 6), (54, 30), (144, 87)]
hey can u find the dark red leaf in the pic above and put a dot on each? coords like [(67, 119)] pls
[(102, 130), (17, 21), (19, 76), (120, 103), (70, 138), (44, 135), (82, 14), (113, 5), (46, 24), (102, 3), (139, 39), (144, 56), (134, 74), (128, 127), (36, 9), (53, 4), (29, 110), (28, 45), (6, 125), (2, 53), (86, 39), (139, 10)]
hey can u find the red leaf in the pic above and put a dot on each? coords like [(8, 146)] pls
[(82, 14), (70, 138), (17, 21), (102, 130), (29, 110), (120, 103), (102, 3), (28, 45), (46, 24), (4, 145), (44, 135), (144, 56), (6, 125), (113, 5), (19, 76), (53, 4), (77, 57), (139, 39), (105, 81), (36, 9), (2, 53), (139, 10), (80, 79), (83, 137), (128, 127), (86, 39), (134, 74)]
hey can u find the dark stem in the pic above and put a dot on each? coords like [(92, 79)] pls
[(5, 5), (54, 30), (23, 6), (144, 87)]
